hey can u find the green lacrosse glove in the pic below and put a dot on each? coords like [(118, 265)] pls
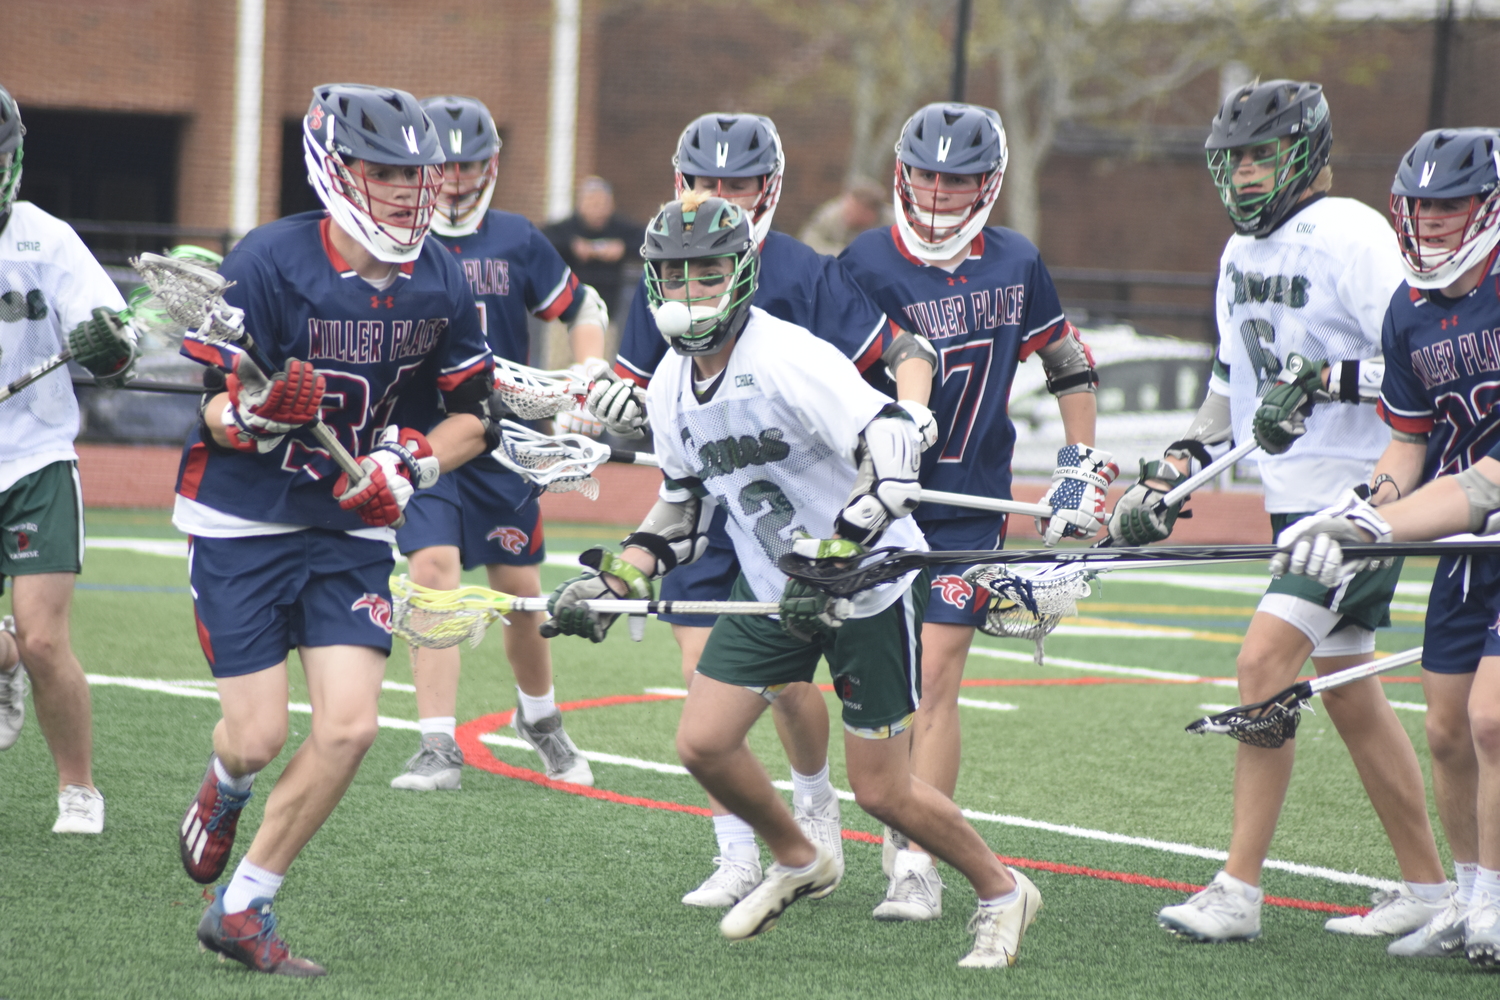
[(1281, 417), (826, 548), (1136, 519), (569, 619), (105, 346), (806, 612)]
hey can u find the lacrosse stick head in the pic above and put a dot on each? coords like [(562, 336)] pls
[(532, 394), (847, 577), (562, 463), (1029, 604), (184, 288), (1266, 724), (437, 619)]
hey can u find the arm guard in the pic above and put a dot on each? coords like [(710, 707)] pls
[(591, 310), (888, 457), (1484, 501), (472, 396), (675, 533), (1069, 366), (906, 346), (1356, 381), (1211, 425)]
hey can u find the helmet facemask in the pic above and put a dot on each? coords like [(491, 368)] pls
[(1289, 169), (464, 214), (761, 211), (697, 315), (1430, 266), (10, 177), (937, 235)]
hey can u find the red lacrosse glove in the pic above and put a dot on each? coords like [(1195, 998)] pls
[(394, 469), (261, 410)]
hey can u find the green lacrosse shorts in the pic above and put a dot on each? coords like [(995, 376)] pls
[(41, 523), (1364, 600), (876, 662)]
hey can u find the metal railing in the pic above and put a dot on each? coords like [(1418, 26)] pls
[(1188, 309), (114, 243)]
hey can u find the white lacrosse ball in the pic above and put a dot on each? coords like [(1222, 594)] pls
[(673, 318)]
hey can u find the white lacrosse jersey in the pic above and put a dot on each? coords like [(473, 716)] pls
[(1318, 286), (49, 283), (773, 445)]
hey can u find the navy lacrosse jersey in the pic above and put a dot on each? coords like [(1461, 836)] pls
[(513, 270), (1442, 373), (797, 284), (984, 317), (384, 353)]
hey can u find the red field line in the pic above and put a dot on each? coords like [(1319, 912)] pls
[(477, 754)]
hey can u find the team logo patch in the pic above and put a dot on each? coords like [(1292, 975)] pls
[(512, 540), (315, 118), (23, 541), (378, 608), (954, 589)]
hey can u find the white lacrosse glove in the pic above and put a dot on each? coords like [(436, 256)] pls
[(889, 459), (927, 428), (1314, 546), (1080, 487), (579, 420), (620, 403)]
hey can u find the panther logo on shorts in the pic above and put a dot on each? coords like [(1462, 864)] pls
[(23, 541), (378, 608), (954, 589), (512, 540)]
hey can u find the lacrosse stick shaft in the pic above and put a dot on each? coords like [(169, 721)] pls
[(657, 607), (1358, 673), (627, 457), (986, 503), (41, 370), (1209, 472), (139, 385)]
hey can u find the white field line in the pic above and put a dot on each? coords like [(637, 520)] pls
[(1065, 663), (1083, 833), (993, 706)]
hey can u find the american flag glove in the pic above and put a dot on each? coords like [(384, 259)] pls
[(1080, 487)]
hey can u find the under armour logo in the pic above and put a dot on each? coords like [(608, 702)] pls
[(409, 133), (945, 143), (456, 140), (1428, 169), (721, 153)]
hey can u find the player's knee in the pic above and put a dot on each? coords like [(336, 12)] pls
[(253, 751), (348, 737), (436, 567), (1484, 724), (880, 798), (43, 650), (1448, 737)]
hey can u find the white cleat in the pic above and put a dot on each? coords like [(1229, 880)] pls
[(1397, 912), (560, 757), (998, 933), (1482, 931), (1218, 912), (757, 912), (825, 830), (916, 890), (1440, 937), (12, 693), (80, 809), (437, 765), (731, 882)]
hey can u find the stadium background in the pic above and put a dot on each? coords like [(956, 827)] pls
[(131, 110)]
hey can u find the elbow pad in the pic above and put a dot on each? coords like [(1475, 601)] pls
[(591, 309), (888, 459), (1211, 425), (1069, 365), (472, 396), (1484, 501), (906, 346), (676, 533), (1356, 381)]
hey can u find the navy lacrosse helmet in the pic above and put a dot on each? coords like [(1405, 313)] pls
[(1257, 118), (961, 139), (351, 125), (468, 134), (734, 145), (1444, 204)]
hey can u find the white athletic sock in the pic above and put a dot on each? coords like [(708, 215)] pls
[(534, 709), (1464, 873), (736, 839), (444, 724), (1487, 881), (1001, 902), (1428, 892), (240, 784), (250, 882), (1250, 892), (813, 792)]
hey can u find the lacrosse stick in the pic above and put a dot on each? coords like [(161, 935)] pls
[(142, 385), (193, 295), (1029, 604), (534, 394), (1272, 722), (1181, 491), (845, 577)]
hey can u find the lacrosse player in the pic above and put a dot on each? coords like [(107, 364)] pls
[(369, 325), (738, 157), (757, 416), (1439, 398), (49, 284), (1303, 285), (981, 296), (484, 514)]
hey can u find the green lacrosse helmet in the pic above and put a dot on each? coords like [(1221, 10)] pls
[(680, 242), (11, 134)]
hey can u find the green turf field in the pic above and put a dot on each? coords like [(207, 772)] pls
[(507, 888)]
